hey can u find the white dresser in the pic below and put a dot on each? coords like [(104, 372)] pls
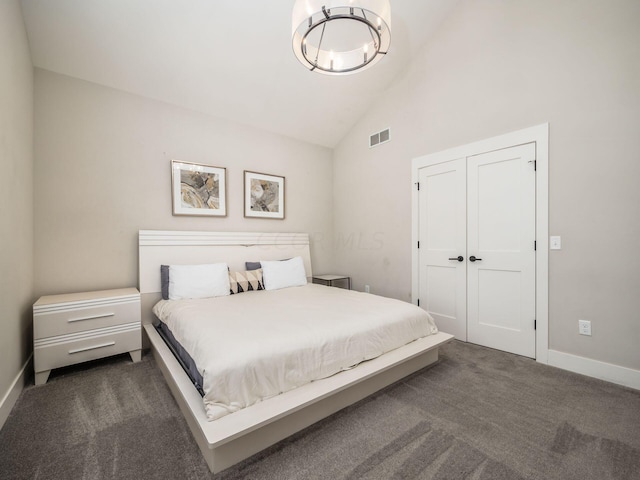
[(78, 327)]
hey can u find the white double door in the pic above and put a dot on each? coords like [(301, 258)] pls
[(477, 254)]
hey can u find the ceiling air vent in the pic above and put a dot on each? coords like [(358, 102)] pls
[(381, 137)]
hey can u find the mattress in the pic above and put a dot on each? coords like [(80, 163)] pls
[(183, 357), (255, 345)]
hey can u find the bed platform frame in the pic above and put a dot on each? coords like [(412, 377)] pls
[(235, 437)]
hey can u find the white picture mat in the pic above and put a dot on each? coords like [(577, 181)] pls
[(248, 176), (178, 209)]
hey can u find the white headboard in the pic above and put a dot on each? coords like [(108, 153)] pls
[(157, 248)]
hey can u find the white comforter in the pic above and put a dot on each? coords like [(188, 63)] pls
[(254, 345)]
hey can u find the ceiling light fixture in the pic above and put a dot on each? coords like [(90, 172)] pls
[(339, 37)]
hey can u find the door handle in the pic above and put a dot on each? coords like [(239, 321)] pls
[(474, 259), (459, 258)]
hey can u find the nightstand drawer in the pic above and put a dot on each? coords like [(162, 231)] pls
[(64, 319), (80, 347)]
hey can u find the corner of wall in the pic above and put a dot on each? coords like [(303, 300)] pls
[(16, 220), (11, 397)]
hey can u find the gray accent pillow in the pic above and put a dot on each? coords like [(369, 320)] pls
[(256, 265), (164, 281)]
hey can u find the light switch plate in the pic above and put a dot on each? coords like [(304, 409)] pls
[(555, 243)]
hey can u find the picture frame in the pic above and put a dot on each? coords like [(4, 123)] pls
[(263, 195), (198, 189)]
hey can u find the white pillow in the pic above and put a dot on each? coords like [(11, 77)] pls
[(283, 273), (198, 281)]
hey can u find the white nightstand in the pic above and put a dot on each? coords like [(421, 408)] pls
[(78, 327)]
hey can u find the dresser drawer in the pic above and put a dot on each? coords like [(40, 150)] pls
[(63, 319), (80, 347)]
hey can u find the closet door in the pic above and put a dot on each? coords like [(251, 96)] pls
[(476, 252), (500, 248), (442, 249)]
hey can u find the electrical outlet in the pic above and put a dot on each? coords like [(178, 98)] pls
[(584, 327), (366, 289)]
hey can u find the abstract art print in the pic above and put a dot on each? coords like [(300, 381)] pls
[(263, 195), (198, 189)]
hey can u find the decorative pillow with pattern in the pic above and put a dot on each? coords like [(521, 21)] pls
[(246, 281)]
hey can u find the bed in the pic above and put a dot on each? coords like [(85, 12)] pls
[(241, 432)]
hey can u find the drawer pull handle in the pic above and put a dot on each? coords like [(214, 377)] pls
[(93, 317), (78, 350)]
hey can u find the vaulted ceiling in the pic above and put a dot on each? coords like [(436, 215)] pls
[(228, 58)]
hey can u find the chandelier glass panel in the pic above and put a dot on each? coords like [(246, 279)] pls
[(339, 37)]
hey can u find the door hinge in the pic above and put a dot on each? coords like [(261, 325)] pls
[(418, 302), (418, 185), (535, 324), (535, 245), (418, 243), (535, 165)]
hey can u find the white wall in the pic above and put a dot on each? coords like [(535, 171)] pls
[(102, 172), (495, 67), (16, 201)]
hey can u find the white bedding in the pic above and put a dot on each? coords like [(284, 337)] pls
[(254, 345)]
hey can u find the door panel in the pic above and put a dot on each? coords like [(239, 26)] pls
[(493, 311), (501, 232), (497, 188), (441, 299), (442, 231)]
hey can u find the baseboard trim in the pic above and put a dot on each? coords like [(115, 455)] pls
[(627, 377), (10, 398)]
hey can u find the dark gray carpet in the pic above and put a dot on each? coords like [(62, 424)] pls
[(478, 414)]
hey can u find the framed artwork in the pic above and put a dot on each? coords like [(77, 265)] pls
[(263, 195), (198, 189)]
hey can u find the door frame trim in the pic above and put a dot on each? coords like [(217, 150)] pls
[(539, 135)]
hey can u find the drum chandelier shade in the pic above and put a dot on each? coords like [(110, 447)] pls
[(339, 37)]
